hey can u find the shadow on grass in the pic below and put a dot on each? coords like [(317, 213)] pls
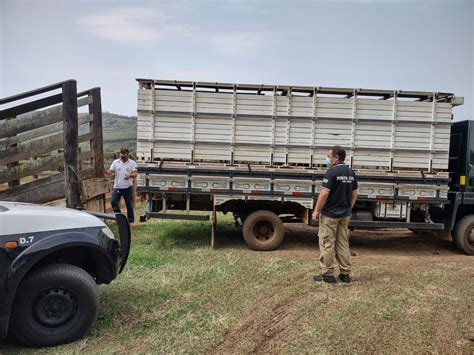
[(188, 235)]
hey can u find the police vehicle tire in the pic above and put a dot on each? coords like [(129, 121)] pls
[(55, 304), (463, 235), (263, 230)]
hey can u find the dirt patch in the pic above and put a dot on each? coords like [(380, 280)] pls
[(276, 320), (266, 326)]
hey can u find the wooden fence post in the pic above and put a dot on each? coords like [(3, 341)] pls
[(70, 143), (95, 109)]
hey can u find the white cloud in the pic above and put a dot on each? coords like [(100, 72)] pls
[(131, 25), (241, 43), (142, 26)]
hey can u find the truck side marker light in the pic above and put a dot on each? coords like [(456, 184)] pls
[(10, 245), (462, 180)]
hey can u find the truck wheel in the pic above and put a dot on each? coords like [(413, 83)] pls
[(463, 235), (54, 305), (263, 230)]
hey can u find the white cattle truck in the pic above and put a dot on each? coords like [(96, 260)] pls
[(258, 152)]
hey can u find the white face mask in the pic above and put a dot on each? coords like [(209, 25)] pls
[(328, 162)]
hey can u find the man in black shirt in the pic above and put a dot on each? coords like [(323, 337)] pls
[(334, 207)]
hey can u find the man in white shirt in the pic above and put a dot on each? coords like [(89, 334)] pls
[(125, 169)]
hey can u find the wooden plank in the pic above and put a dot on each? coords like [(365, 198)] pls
[(31, 149), (36, 167), (94, 187), (32, 168), (38, 191), (41, 131), (37, 148), (28, 121), (30, 106)]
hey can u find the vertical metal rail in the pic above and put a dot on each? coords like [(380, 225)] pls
[(153, 118), (354, 124), (433, 130), (393, 130), (313, 126), (274, 114), (288, 125), (234, 117), (193, 123)]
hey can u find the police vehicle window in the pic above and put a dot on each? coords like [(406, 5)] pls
[(3, 208)]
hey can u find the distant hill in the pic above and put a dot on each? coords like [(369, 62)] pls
[(119, 131), (113, 121)]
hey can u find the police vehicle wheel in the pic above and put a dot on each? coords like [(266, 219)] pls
[(55, 304), (463, 235), (263, 230)]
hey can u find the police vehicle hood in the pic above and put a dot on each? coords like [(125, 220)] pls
[(16, 218)]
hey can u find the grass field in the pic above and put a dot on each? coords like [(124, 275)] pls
[(410, 294)]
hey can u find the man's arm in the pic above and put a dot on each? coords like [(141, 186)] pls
[(111, 170), (323, 196), (133, 174), (355, 186), (354, 198)]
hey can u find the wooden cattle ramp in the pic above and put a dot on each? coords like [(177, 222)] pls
[(49, 150)]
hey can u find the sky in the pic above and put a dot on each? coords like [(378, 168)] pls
[(423, 45)]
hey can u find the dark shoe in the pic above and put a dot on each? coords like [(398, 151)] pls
[(345, 278), (131, 221), (326, 278)]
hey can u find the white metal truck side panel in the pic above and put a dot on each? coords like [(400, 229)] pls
[(292, 129)]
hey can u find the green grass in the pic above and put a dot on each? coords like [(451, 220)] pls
[(178, 295)]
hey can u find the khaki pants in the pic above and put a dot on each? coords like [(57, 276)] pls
[(334, 244)]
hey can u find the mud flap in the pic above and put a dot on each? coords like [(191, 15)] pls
[(125, 239)]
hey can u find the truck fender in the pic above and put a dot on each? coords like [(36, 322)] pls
[(456, 201)]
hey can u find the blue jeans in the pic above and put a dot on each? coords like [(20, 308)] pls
[(127, 195)]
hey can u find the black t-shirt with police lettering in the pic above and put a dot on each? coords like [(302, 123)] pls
[(340, 180)]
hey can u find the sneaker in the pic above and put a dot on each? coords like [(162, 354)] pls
[(326, 278), (345, 278)]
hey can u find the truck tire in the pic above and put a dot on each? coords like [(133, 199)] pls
[(56, 304), (463, 235), (263, 230)]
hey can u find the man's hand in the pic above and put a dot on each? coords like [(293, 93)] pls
[(315, 215), (127, 177), (108, 172)]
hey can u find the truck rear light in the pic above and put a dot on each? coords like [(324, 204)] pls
[(172, 188), (296, 193), (422, 198), (10, 245), (215, 190), (255, 192), (380, 197)]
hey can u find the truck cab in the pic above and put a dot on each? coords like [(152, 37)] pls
[(459, 214), (51, 261)]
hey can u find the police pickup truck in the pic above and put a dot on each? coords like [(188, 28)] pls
[(51, 261)]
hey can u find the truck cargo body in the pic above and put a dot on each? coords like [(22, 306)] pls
[(243, 148)]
